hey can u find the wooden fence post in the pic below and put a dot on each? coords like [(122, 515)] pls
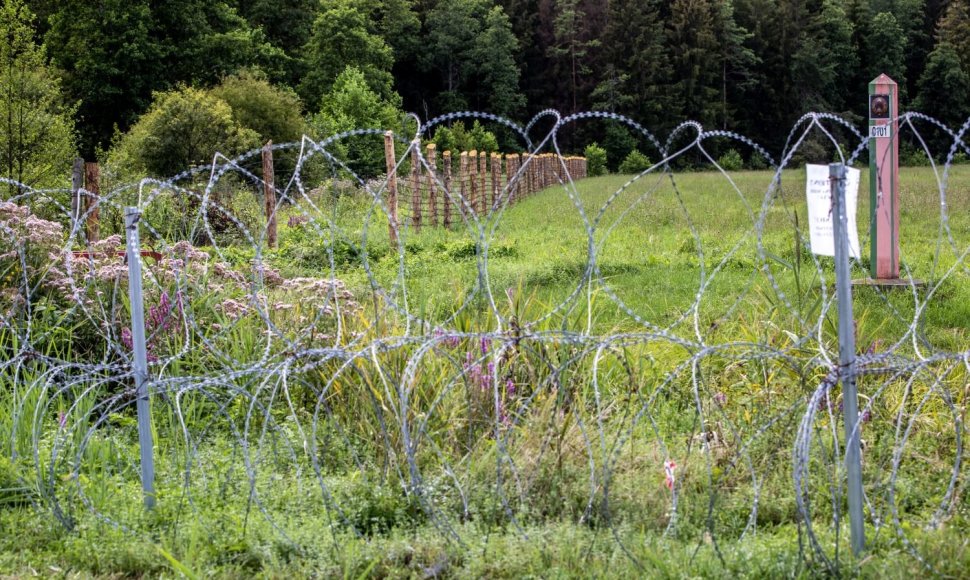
[(390, 160), (496, 167), (446, 198), (511, 167), (432, 189), (473, 178), (269, 194), (416, 185), (463, 177), (92, 183), (483, 182)]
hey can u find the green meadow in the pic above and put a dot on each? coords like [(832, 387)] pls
[(696, 333)]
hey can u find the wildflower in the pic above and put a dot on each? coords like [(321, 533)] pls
[(720, 398), (297, 220), (509, 387)]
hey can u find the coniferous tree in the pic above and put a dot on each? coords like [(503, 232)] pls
[(955, 29), (571, 49), (693, 44), (826, 61), (944, 87), (473, 50), (499, 78), (636, 78)]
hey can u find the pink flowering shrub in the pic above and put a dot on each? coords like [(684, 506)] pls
[(26, 243), (187, 294)]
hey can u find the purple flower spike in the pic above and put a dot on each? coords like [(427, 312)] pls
[(720, 398), (509, 387)]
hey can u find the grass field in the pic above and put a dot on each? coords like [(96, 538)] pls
[(567, 479)]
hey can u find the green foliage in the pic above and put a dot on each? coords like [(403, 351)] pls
[(287, 25), (341, 39), (274, 113), (116, 53), (183, 128), (826, 61), (499, 75), (886, 44), (635, 162), (570, 47), (457, 138), (731, 161), (353, 104), (471, 46), (618, 142), (595, 160), (36, 126), (954, 28), (757, 161), (944, 86)]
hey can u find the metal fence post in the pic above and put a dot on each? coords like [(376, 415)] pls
[(133, 253), (850, 397)]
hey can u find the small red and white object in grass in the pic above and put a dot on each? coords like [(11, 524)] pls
[(818, 190), (670, 478)]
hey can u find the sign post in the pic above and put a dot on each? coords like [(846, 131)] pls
[(884, 179)]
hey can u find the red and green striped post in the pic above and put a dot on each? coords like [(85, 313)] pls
[(884, 178)]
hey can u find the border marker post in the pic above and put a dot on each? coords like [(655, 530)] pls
[(884, 179)]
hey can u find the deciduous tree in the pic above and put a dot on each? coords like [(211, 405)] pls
[(36, 126)]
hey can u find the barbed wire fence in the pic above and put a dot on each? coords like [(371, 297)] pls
[(289, 397)]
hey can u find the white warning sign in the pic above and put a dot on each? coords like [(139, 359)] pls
[(818, 190)]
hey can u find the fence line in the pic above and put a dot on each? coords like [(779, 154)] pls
[(701, 420), (487, 175)]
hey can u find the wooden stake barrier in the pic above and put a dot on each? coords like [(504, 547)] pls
[(496, 168), (416, 186), (463, 177), (446, 198), (432, 187), (511, 168), (473, 179), (483, 183)]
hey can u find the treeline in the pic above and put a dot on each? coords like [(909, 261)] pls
[(752, 66)]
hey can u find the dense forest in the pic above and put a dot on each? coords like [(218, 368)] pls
[(110, 77)]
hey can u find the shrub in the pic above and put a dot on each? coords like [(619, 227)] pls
[(184, 127), (273, 112), (457, 138), (352, 104), (757, 161), (595, 160), (635, 162), (731, 161)]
